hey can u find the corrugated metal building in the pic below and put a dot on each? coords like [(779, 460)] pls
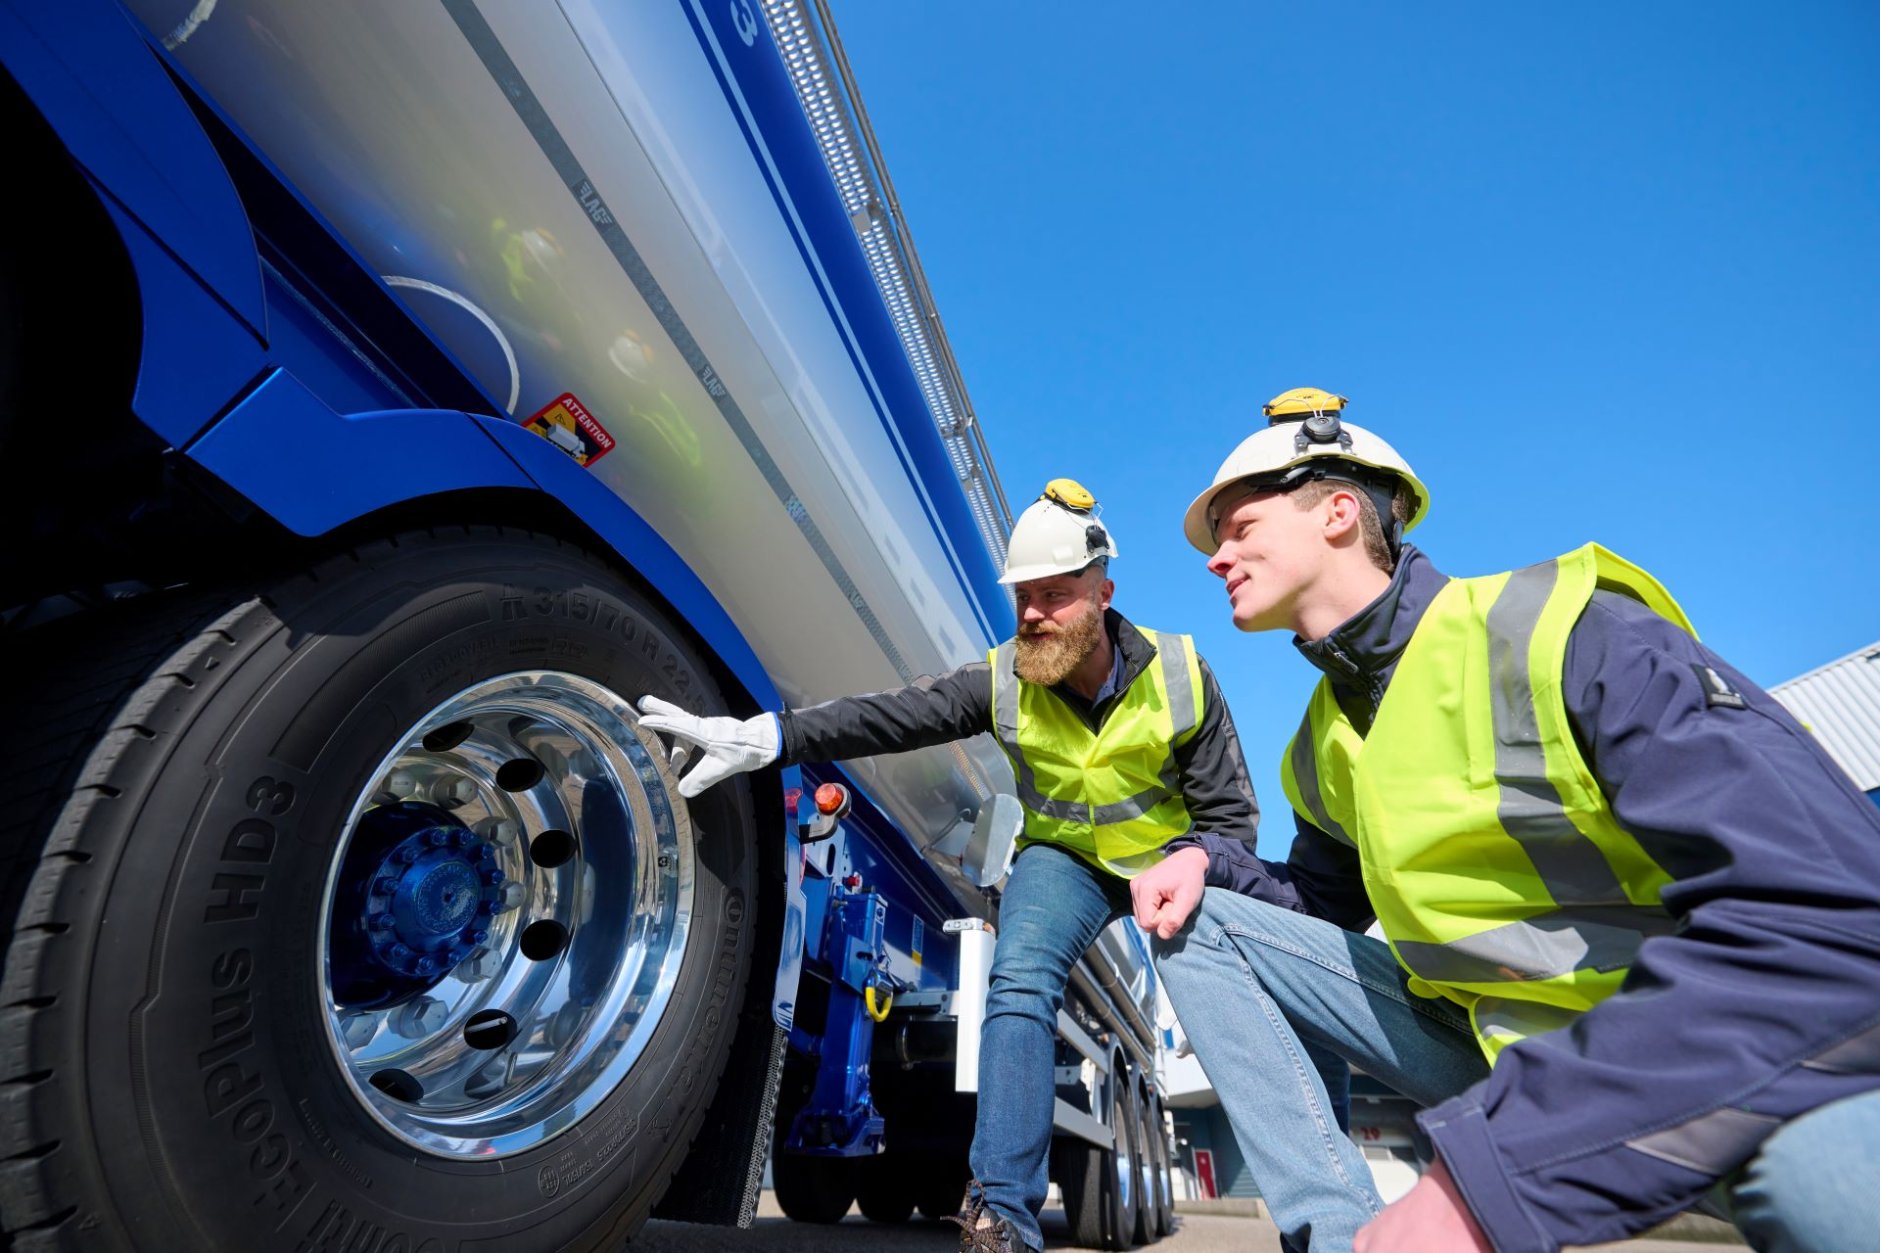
[(1840, 703)]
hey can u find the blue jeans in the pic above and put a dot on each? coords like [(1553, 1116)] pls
[(1812, 1184), (1262, 991), (1054, 906)]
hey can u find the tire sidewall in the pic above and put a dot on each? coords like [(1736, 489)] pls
[(1125, 1126), (206, 1021)]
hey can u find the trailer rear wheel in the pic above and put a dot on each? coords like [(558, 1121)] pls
[(364, 912), (1145, 1189), (884, 1190), (813, 1189), (940, 1181), (1164, 1178), (1098, 1183), (1128, 1160)]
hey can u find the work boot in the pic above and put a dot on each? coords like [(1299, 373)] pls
[(983, 1231)]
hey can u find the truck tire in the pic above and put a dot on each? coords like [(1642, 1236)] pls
[(1128, 1124), (282, 978), (940, 1182), (1145, 1178), (884, 1189), (1164, 1174), (813, 1189), (1096, 1182)]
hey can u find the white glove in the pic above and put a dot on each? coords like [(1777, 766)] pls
[(731, 746)]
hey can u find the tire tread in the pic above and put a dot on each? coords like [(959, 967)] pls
[(108, 728), (55, 793)]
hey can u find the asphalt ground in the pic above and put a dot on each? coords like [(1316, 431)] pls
[(1195, 1233)]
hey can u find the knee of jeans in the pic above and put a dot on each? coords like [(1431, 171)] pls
[(1023, 992), (1803, 1188)]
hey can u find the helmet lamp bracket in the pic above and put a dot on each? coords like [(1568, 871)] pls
[(1320, 428)]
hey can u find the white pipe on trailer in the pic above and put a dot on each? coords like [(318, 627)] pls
[(969, 998)]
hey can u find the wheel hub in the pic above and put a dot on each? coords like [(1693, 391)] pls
[(506, 915), (419, 891), (430, 899)]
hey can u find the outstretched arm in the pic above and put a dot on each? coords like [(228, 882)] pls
[(933, 709), (927, 711)]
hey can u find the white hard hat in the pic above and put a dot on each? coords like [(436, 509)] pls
[(1307, 439), (1058, 534)]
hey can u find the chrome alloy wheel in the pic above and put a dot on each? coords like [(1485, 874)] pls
[(1122, 1112), (505, 915), (1145, 1156)]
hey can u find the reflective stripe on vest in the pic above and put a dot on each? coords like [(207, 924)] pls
[(1299, 775), (1113, 795), (1500, 876)]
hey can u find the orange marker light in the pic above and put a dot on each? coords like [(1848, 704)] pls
[(830, 797)]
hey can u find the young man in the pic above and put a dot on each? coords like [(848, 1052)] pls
[(1120, 741), (1633, 910)]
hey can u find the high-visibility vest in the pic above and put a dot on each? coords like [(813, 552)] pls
[(1500, 876), (1113, 796)]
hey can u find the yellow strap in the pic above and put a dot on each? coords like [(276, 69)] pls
[(879, 1012)]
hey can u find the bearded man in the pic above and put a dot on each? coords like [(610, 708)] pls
[(1120, 742)]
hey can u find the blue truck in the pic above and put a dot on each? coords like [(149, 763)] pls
[(391, 395)]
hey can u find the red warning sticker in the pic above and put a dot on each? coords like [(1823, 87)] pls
[(567, 424)]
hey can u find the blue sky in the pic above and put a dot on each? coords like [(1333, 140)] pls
[(1599, 272)]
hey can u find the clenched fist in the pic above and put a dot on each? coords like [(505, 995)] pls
[(1165, 894)]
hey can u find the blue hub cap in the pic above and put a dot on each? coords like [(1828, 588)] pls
[(424, 889)]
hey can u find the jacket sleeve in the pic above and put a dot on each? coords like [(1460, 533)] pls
[(1762, 1004), (1214, 779), (1321, 876), (930, 710)]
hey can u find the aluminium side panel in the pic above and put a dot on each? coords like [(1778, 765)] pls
[(596, 181)]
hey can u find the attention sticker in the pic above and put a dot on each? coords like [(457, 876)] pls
[(567, 424)]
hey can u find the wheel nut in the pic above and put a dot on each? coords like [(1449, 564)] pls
[(419, 1017), (358, 1029), (509, 896), (436, 838), (402, 783), (480, 965), (498, 831), (453, 790), (493, 876)]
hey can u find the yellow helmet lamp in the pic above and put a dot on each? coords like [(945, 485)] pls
[(1057, 534)]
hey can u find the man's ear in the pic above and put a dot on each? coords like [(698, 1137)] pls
[(1105, 592), (1342, 513)]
